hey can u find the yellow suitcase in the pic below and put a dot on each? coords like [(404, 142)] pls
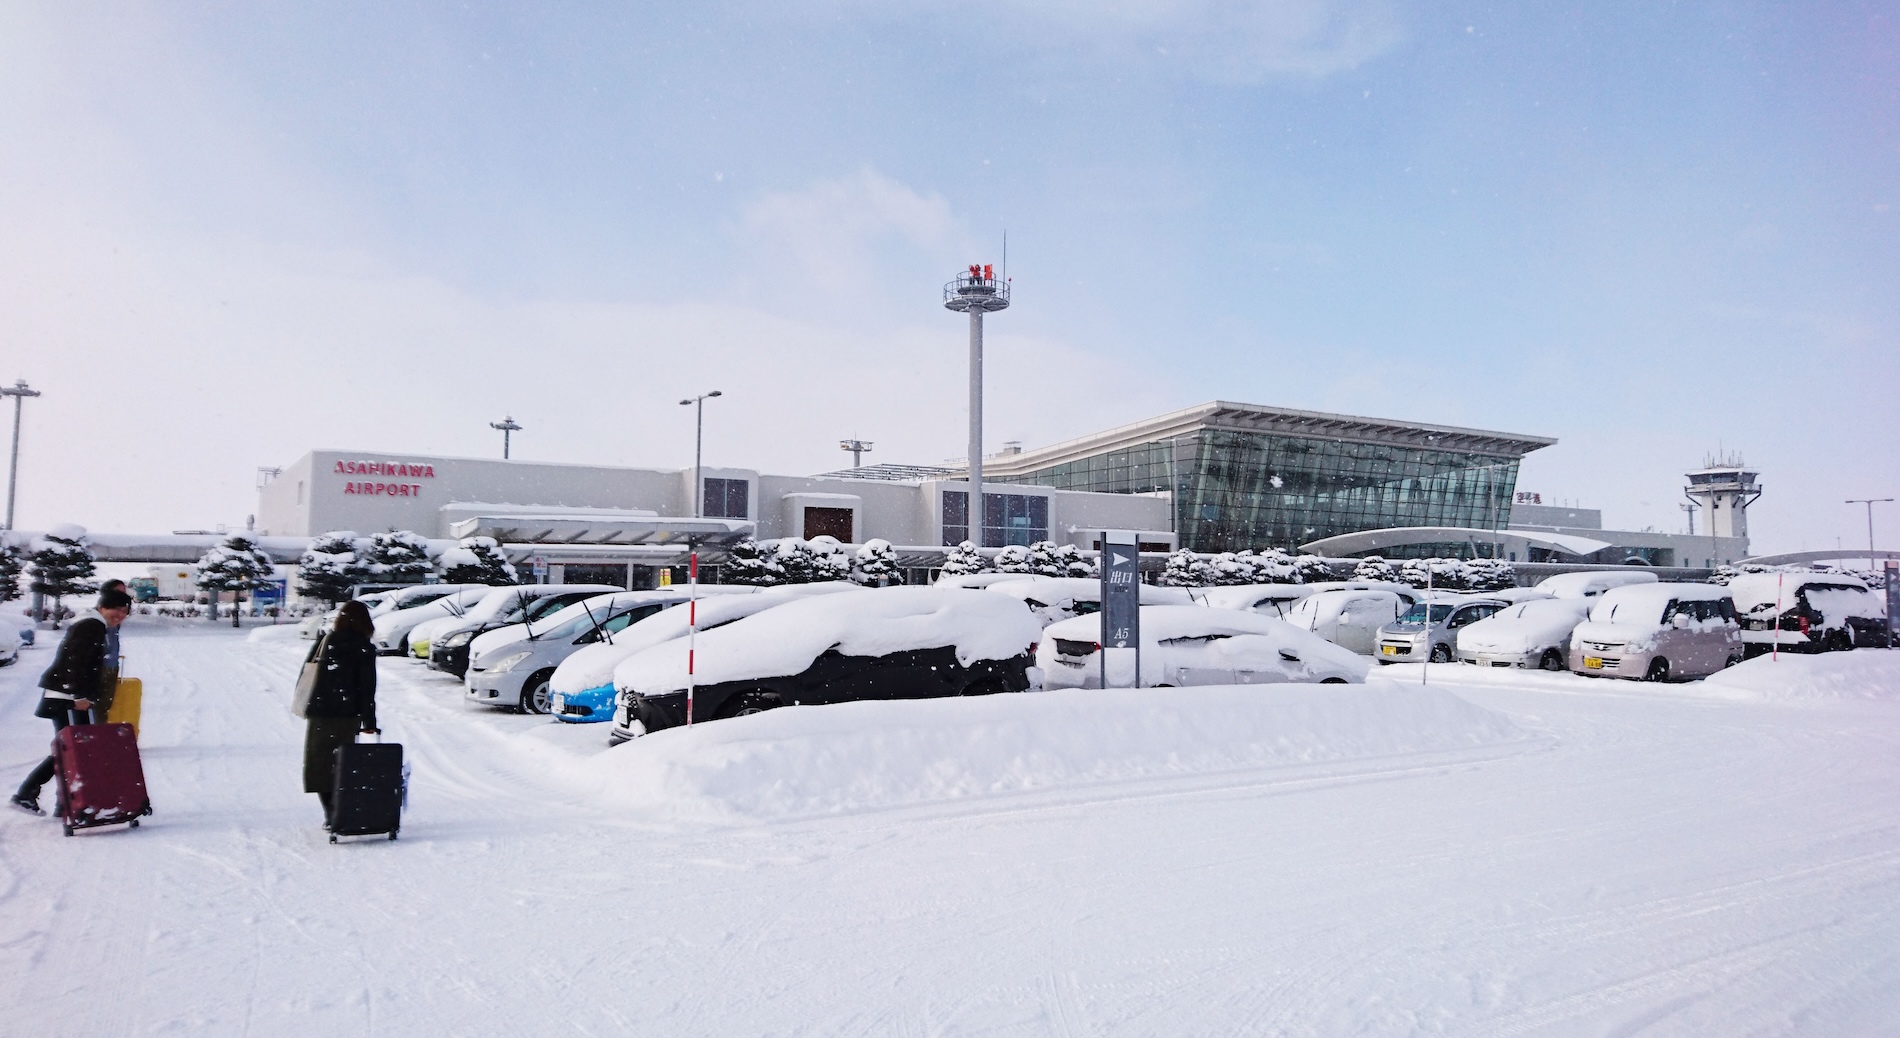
[(125, 703)]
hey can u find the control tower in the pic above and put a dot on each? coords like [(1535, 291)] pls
[(1724, 488), (976, 291)]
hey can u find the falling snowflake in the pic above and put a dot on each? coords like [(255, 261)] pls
[(1276, 481)]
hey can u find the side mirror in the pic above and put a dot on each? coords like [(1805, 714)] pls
[(1680, 622), (1289, 655)]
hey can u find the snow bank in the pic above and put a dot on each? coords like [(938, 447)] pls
[(809, 761), (274, 633), (1860, 674)]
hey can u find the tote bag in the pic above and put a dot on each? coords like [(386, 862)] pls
[(307, 678)]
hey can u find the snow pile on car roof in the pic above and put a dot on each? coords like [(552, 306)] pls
[(593, 666), (1860, 674), (1521, 628), (879, 621), (1162, 622), (798, 762)]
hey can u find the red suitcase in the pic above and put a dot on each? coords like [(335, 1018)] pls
[(101, 781)]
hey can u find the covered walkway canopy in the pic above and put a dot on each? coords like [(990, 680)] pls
[(1365, 541)]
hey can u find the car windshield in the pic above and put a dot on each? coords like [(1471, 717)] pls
[(1416, 614)]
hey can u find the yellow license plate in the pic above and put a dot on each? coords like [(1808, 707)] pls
[(1593, 663), (1391, 650)]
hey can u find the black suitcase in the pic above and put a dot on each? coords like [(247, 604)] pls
[(368, 794)]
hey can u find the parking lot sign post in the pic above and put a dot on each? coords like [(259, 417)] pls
[(1121, 597), (540, 569)]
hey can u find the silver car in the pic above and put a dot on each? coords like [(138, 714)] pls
[(1430, 629), (513, 672)]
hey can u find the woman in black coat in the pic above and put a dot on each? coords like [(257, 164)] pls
[(344, 701)]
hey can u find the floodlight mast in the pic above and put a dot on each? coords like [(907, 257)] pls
[(858, 449), (976, 291), (19, 391)]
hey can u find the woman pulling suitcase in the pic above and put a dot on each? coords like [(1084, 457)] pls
[(343, 701)]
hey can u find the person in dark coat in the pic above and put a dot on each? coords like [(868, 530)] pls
[(344, 701), (74, 689)]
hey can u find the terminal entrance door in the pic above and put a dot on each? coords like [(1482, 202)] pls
[(828, 522)]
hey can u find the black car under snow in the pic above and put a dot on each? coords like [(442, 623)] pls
[(889, 643)]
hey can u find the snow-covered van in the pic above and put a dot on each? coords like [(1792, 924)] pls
[(1592, 583), (1818, 612), (885, 643), (1530, 635), (1189, 645), (1349, 619), (1658, 632)]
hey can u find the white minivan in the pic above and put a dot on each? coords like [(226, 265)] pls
[(1658, 632)]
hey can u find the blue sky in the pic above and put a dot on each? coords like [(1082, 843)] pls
[(1646, 229)]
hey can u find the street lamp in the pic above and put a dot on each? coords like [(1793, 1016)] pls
[(698, 403), (19, 392), (858, 449), (1870, 502), (507, 426)]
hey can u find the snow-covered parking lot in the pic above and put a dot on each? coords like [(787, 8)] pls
[(1494, 853)]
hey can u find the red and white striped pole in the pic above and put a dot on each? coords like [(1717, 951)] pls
[(692, 627), (1775, 656)]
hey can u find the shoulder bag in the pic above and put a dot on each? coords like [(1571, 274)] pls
[(308, 676)]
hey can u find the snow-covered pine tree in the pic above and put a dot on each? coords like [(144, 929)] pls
[(58, 568), (329, 567), (236, 565), (1185, 569), (1042, 560), (795, 559), (1013, 559), (1374, 567), (748, 563), (399, 557), (12, 562), (1274, 566), (829, 560), (1489, 574), (1310, 569), (876, 564), (477, 560), (963, 559), (1069, 558)]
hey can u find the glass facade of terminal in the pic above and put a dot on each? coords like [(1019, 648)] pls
[(1237, 490)]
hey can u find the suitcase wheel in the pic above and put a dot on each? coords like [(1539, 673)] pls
[(392, 834), (135, 823), (68, 828), (332, 837)]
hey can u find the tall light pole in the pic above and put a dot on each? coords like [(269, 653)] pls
[(858, 449), (508, 427), (1870, 502), (19, 392), (976, 292), (698, 403)]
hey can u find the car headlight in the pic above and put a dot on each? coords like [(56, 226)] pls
[(507, 663), (456, 641)]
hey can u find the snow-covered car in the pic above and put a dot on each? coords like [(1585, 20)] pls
[(1532, 635), (396, 630), (416, 595), (1278, 600), (1348, 619), (510, 666), (1192, 645), (1591, 583), (1816, 612), (1658, 632), (9, 643), (885, 643), (1058, 598), (448, 645), (1429, 630), (975, 581)]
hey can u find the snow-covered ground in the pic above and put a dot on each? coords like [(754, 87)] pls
[(1495, 853)]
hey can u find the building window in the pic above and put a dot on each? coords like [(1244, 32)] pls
[(828, 522), (727, 498), (1007, 519)]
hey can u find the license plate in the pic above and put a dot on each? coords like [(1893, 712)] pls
[(560, 703), (1593, 663), (1390, 650)]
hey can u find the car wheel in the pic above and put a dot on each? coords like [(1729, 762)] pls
[(1732, 661), (1334, 681), (1553, 660), (1658, 670), (752, 703), (1441, 654), (536, 697), (1837, 641), (402, 647)]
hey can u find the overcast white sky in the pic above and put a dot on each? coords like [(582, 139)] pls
[(232, 233)]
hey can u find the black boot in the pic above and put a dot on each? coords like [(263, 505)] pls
[(22, 802)]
